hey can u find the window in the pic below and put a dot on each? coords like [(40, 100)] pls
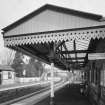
[(9, 75)]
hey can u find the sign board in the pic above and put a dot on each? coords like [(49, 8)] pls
[(96, 56)]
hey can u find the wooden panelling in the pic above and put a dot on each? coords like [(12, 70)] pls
[(49, 20)]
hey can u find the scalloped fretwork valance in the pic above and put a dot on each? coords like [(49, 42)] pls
[(85, 34)]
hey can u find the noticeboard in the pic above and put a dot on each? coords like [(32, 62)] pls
[(96, 56)]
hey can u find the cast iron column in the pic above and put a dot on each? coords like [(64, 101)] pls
[(52, 56), (52, 80)]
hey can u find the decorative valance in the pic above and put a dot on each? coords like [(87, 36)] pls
[(45, 37)]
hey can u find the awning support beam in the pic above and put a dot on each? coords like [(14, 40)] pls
[(75, 51)]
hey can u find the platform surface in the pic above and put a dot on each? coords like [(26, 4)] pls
[(69, 95)]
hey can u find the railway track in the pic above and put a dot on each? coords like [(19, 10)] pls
[(15, 93), (33, 97), (15, 100)]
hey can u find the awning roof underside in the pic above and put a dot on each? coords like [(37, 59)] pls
[(73, 47), (68, 54)]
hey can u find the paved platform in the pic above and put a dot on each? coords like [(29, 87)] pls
[(67, 96)]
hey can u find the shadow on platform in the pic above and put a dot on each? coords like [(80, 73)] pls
[(67, 96)]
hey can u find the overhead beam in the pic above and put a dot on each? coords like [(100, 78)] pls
[(76, 62), (78, 58), (73, 51)]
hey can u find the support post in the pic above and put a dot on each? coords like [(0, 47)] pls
[(52, 56), (52, 85), (52, 80)]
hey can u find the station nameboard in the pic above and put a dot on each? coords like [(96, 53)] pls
[(96, 56)]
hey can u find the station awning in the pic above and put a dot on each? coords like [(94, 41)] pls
[(69, 33), (73, 45)]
